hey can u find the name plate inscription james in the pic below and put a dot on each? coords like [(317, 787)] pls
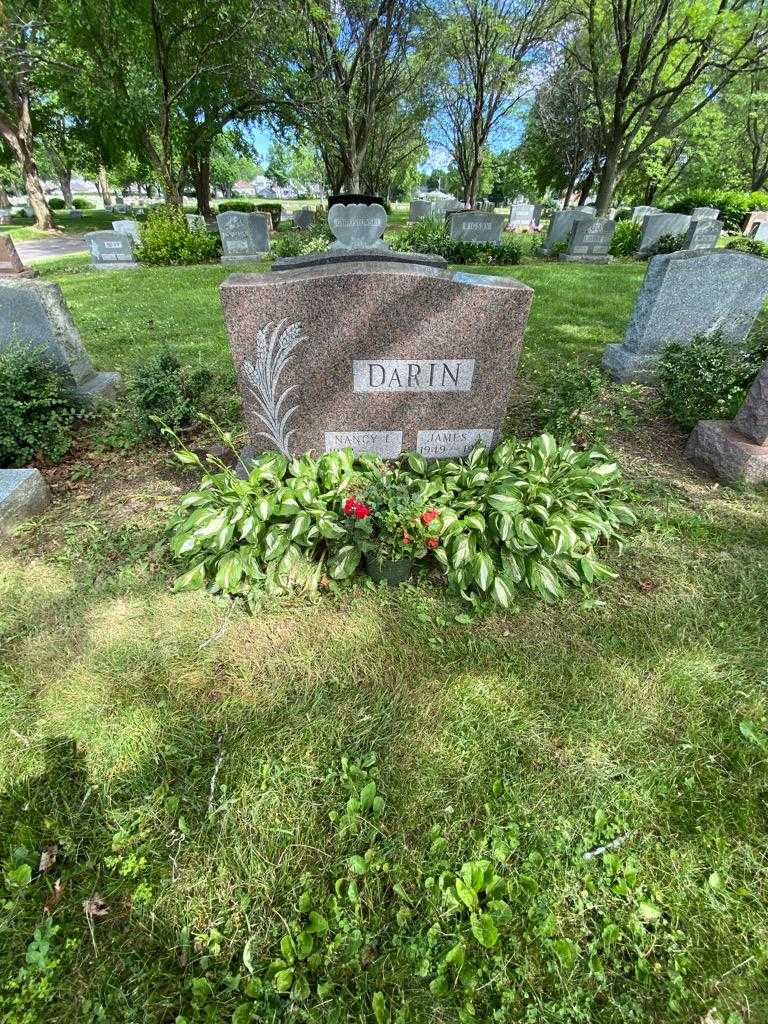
[(450, 444), (412, 374)]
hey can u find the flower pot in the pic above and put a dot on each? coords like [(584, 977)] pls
[(392, 572)]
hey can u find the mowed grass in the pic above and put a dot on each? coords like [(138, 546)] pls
[(186, 757)]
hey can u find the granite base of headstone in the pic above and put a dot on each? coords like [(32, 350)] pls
[(23, 494), (561, 225), (686, 294), (590, 241), (10, 261), (477, 226), (737, 450), (656, 225), (244, 236), (33, 313), (111, 250)]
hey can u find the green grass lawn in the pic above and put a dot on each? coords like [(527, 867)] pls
[(192, 764)]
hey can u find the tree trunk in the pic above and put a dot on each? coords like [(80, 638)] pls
[(65, 183), (5, 199), (569, 190), (20, 141), (201, 170), (586, 187), (608, 181), (106, 195)]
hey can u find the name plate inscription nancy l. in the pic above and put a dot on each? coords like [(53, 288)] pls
[(412, 375), (450, 444), (386, 443)]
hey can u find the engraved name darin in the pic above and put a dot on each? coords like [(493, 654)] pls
[(413, 374)]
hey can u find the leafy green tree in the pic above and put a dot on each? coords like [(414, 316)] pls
[(232, 159)]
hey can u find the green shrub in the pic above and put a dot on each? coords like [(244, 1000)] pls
[(626, 238), (238, 205), (432, 235), (579, 402), (745, 243), (558, 249), (166, 239), (668, 243), (164, 389), (275, 210), (56, 204), (37, 407), (734, 206), (527, 517), (83, 204), (290, 242), (708, 378)]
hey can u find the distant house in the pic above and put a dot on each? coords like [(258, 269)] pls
[(244, 188)]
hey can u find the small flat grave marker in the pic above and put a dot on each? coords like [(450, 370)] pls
[(475, 226)]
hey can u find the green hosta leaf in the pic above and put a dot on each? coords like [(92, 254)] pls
[(264, 509), (545, 444), (330, 529), (503, 593), (212, 526), (484, 929), (604, 471), (462, 550), (513, 566), (191, 580), (304, 944), (482, 567), (247, 526), (317, 923), (506, 503), (187, 458), (183, 543), (357, 864), (283, 980), (229, 571), (275, 543), (343, 563), (300, 525), (505, 526), (475, 521), (418, 463)]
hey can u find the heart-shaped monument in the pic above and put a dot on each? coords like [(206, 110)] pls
[(358, 226)]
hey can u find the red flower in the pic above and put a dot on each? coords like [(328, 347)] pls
[(432, 542), (407, 537), (361, 511), (429, 515), (349, 506)]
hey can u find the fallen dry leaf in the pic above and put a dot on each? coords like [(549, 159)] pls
[(95, 906), (53, 900), (647, 586), (48, 858)]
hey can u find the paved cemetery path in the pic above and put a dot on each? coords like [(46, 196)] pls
[(45, 248)]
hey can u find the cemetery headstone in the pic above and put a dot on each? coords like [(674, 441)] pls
[(521, 216), (685, 294), (10, 261), (760, 231), (705, 213), (419, 210), (5, 214), (655, 225), (74, 212), (111, 250), (756, 217), (358, 226), (561, 224), (703, 234), (590, 241), (196, 221), (304, 219), (362, 354), (23, 494), (34, 313), (244, 236), (639, 213), (127, 227), (474, 226), (737, 450)]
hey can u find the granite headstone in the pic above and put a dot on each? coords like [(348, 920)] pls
[(760, 231), (358, 226), (420, 209), (521, 216), (639, 213), (304, 219), (705, 213), (473, 226), (737, 450), (244, 236), (34, 313), (590, 241), (10, 261), (127, 227), (561, 224), (23, 493), (655, 225), (703, 234), (755, 217), (5, 214), (377, 356), (685, 294), (111, 250)]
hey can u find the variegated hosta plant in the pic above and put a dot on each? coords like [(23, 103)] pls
[(531, 515)]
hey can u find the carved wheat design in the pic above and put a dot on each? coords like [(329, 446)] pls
[(275, 344)]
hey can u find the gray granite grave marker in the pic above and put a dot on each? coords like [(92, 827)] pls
[(760, 231), (639, 213), (561, 224), (590, 241), (127, 227), (10, 261), (34, 313), (244, 236), (23, 494), (304, 219), (473, 226), (705, 213), (755, 217), (420, 209), (737, 450), (521, 215), (5, 214), (655, 225), (685, 294), (111, 250), (357, 226), (703, 234)]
